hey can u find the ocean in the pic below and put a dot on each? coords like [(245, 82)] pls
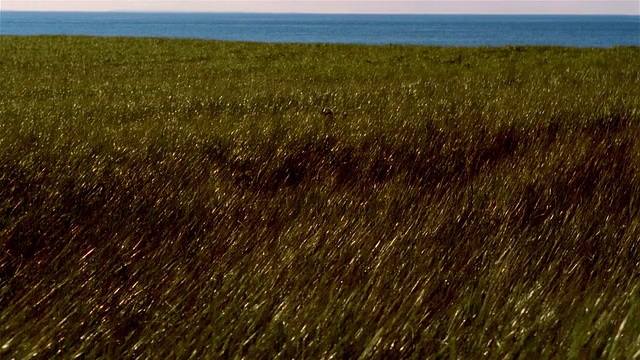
[(445, 30)]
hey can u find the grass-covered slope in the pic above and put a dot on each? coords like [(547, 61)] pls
[(190, 199)]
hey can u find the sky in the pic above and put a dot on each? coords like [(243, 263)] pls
[(625, 7)]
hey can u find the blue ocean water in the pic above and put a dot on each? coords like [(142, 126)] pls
[(448, 30)]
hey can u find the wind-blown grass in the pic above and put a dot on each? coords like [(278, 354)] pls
[(187, 199)]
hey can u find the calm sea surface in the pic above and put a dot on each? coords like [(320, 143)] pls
[(449, 30)]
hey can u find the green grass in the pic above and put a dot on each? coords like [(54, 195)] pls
[(188, 199)]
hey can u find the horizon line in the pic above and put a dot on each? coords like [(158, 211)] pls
[(129, 11), (349, 7)]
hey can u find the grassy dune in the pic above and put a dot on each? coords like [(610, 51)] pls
[(189, 199)]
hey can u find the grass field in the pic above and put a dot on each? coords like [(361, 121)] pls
[(199, 199)]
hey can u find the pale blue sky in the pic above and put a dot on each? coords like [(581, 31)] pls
[(627, 7)]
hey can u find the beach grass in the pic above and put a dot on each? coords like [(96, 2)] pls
[(200, 199)]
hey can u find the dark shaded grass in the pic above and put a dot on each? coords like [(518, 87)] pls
[(173, 198)]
